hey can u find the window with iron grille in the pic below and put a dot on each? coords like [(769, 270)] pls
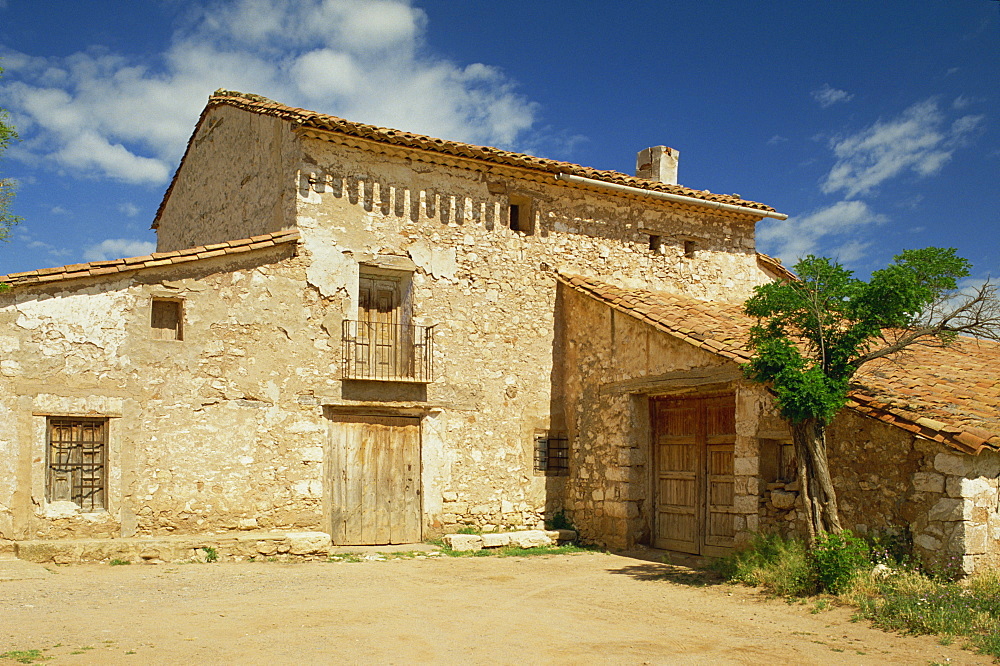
[(77, 461), (552, 452)]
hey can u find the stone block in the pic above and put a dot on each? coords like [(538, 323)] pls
[(495, 540), (927, 542), (946, 509), (975, 538), (464, 542), (746, 466), (530, 539), (928, 482), (746, 503), (561, 536), (953, 463), (266, 547), (783, 500), (308, 543)]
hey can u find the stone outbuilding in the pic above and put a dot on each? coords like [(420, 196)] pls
[(379, 336), (672, 446)]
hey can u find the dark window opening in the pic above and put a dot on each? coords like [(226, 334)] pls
[(166, 319), (690, 248), (655, 243), (515, 217), (552, 453), (521, 216), (77, 461)]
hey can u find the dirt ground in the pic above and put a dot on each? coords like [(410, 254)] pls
[(586, 608)]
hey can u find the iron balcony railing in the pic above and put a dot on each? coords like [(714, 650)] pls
[(388, 352)]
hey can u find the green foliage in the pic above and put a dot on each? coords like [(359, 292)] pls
[(909, 602), (211, 555), (468, 529), (781, 566), (118, 563), (559, 521), (24, 656), (908, 599), (7, 219), (836, 559), (812, 334)]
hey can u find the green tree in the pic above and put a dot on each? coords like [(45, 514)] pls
[(813, 334), (7, 219)]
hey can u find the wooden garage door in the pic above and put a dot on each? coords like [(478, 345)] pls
[(693, 441), (375, 480)]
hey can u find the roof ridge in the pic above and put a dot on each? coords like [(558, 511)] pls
[(131, 264), (328, 122)]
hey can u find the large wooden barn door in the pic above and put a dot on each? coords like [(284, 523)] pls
[(375, 480), (693, 442)]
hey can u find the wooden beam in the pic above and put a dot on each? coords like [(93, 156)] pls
[(723, 374)]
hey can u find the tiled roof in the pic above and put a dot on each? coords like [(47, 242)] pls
[(947, 394), (775, 266), (322, 121), (110, 267)]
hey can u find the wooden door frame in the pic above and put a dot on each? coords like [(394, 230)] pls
[(701, 509)]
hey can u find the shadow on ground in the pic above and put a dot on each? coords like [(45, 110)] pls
[(676, 568)]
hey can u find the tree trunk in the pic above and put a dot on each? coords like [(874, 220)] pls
[(819, 499)]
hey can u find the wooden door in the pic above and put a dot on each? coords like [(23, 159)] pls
[(375, 480), (693, 443)]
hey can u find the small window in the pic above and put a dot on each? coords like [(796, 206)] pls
[(552, 453), (655, 244), (521, 216), (77, 460), (166, 319), (690, 248)]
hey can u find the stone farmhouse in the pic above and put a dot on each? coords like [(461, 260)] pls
[(380, 336)]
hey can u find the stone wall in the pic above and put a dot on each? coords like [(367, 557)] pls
[(609, 493), (236, 181), (890, 482), (207, 433)]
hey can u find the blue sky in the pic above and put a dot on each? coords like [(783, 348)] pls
[(874, 125)]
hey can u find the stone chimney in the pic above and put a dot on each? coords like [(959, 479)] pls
[(658, 163)]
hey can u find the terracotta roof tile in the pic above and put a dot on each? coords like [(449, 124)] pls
[(948, 394), (130, 264), (320, 121)]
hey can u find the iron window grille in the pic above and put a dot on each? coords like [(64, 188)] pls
[(77, 461), (387, 352), (552, 453)]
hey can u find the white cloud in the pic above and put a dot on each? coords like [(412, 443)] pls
[(920, 141), (114, 248), (817, 232), (101, 113), (827, 96), (128, 209)]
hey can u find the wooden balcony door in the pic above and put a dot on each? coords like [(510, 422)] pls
[(693, 446), (379, 317), (374, 477)]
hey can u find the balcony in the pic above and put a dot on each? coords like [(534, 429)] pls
[(387, 352)]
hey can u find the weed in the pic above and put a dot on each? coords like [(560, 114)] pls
[(346, 557), (820, 606), (118, 563), (468, 529), (211, 555), (779, 565), (836, 559), (24, 656), (946, 639)]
